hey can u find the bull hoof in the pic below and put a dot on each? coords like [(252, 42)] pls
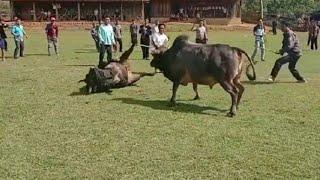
[(231, 114), (196, 97)]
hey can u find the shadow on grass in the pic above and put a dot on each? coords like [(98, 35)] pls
[(83, 92), (267, 82), (80, 65), (37, 54), (164, 105)]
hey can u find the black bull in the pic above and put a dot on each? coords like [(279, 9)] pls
[(186, 62)]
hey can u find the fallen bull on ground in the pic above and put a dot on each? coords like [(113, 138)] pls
[(114, 74)]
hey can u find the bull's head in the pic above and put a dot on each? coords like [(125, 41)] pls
[(158, 59)]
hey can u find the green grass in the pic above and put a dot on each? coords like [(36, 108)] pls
[(48, 130)]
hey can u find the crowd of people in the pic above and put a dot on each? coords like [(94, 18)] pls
[(108, 36)]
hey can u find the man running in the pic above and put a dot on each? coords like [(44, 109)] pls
[(290, 46)]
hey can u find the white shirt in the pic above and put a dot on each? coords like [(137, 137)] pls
[(201, 33), (158, 40)]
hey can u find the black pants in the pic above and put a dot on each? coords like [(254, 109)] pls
[(274, 30), (134, 39), (201, 41), (145, 52), (119, 40), (103, 49), (292, 60), (314, 43), (145, 42), (309, 39)]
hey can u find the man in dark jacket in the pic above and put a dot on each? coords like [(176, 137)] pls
[(290, 46), (145, 31), (314, 36)]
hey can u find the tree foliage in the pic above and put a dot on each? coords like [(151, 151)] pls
[(294, 8)]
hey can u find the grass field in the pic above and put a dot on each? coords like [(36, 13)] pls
[(49, 130)]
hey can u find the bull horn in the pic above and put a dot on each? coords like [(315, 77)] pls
[(83, 80)]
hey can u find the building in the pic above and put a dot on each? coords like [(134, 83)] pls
[(217, 11), (221, 11), (38, 10)]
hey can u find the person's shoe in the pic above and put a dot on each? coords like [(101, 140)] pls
[(302, 81), (263, 60), (271, 79)]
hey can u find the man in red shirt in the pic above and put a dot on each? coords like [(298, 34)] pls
[(52, 35)]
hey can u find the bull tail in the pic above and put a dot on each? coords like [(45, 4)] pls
[(251, 77), (125, 56)]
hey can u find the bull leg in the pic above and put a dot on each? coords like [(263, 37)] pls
[(232, 90), (174, 91), (240, 88), (195, 89)]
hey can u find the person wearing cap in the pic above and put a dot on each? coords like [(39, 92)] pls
[(106, 39), (259, 32), (18, 36), (52, 35), (292, 51), (201, 33)]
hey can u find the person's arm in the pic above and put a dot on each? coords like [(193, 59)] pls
[(206, 35), (112, 38), (14, 31), (46, 30), (287, 44), (193, 27), (100, 35), (57, 31)]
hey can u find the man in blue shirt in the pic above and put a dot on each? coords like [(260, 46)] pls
[(106, 38), (18, 35)]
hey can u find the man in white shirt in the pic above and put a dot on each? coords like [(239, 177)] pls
[(201, 33), (159, 41)]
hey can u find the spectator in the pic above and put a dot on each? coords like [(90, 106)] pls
[(94, 35), (18, 35), (118, 34), (201, 33), (134, 29), (106, 39), (145, 31), (52, 33), (314, 36)]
